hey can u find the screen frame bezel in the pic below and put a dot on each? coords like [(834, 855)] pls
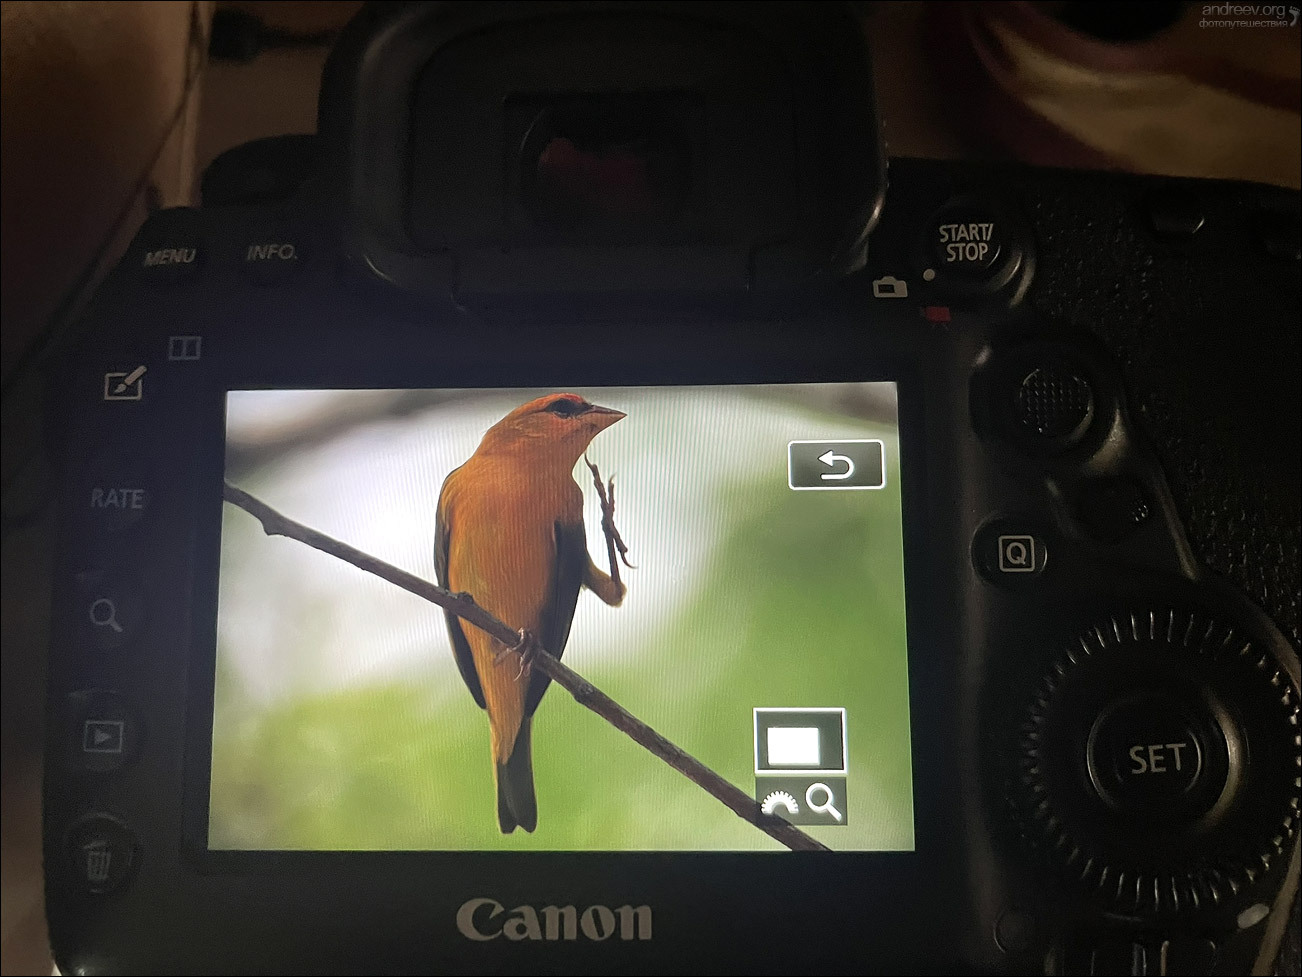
[(932, 830)]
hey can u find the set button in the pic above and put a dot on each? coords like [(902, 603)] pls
[(1157, 754)]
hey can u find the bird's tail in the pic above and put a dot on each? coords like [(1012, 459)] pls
[(516, 805)]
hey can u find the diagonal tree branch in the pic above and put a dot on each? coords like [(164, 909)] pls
[(463, 605)]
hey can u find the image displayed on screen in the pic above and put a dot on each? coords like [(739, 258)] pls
[(756, 619)]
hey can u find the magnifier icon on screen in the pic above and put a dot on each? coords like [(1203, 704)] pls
[(825, 805), (104, 614)]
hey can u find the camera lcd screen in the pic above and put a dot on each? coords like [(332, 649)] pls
[(761, 626)]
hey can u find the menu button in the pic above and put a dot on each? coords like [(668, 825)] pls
[(170, 256), (170, 261)]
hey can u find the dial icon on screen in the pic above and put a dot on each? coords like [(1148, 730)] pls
[(780, 798)]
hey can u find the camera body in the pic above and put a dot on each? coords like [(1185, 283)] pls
[(1097, 380)]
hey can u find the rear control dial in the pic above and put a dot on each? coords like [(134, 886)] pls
[(1133, 776)]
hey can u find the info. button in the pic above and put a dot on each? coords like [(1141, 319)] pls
[(831, 465), (272, 257)]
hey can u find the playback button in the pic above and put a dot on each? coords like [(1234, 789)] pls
[(103, 733)]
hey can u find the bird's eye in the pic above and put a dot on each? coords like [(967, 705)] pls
[(564, 407)]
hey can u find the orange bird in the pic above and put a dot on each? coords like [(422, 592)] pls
[(510, 533)]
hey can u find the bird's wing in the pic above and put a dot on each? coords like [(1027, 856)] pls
[(558, 610), (460, 646)]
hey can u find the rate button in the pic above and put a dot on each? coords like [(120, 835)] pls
[(115, 498)]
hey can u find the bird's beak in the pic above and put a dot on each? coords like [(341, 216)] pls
[(605, 416)]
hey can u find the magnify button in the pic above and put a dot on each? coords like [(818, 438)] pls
[(110, 608), (104, 614), (825, 805)]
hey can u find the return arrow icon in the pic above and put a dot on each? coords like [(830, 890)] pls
[(831, 460)]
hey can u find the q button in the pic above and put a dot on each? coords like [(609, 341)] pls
[(1009, 552), (109, 608)]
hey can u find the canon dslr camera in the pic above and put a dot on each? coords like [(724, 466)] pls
[(945, 533)]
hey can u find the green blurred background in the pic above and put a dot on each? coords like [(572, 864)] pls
[(342, 724)]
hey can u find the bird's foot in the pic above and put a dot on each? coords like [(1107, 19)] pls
[(525, 650), (606, 493)]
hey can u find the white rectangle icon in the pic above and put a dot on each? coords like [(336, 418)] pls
[(793, 746), (765, 721)]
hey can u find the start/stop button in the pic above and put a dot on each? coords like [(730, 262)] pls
[(1158, 754), (967, 241), (971, 246)]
